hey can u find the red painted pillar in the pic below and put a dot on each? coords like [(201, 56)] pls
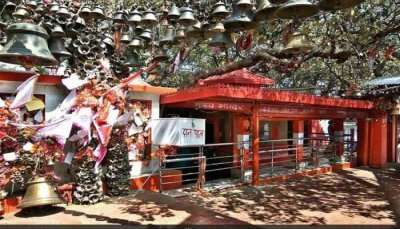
[(378, 142), (362, 142), (256, 146), (338, 127), (298, 133)]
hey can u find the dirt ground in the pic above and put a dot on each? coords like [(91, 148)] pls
[(356, 196)]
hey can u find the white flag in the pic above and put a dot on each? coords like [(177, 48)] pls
[(25, 92), (60, 130)]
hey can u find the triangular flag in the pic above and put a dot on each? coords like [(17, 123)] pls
[(25, 92)]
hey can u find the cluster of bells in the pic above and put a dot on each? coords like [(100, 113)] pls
[(30, 44)]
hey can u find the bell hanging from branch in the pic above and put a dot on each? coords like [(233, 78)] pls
[(221, 40), (297, 44), (220, 11), (173, 13), (187, 18), (265, 10), (241, 19), (27, 45), (297, 9), (332, 5), (39, 192)]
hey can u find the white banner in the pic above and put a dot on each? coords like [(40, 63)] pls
[(178, 131)]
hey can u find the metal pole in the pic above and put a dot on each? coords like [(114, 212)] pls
[(272, 159), (161, 165), (296, 164)]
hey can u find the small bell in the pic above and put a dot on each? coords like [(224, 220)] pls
[(57, 48), (179, 35), (297, 9), (79, 23), (220, 11), (109, 41), (50, 162), (132, 60), (173, 13), (98, 12), (195, 31), (85, 12), (135, 18), (57, 31), (187, 17), (21, 12), (138, 29), (244, 4), (239, 20), (31, 4), (146, 35), (39, 192), (266, 10), (217, 28), (63, 12), (297, 44), (221, 40), (126, 37), (119, 17), (149, 18), (135, 43), (40, 9), (27, 45), (10, 6), (160, 55), (168, 36), (332, 5)]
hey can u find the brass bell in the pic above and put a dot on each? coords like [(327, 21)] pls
[(239, 20), (63, 12), (135, 43), (244, 4), (135, 17), (220, 11), (85, 12), (54, 7), (31, 4), (332, 5), (179, 35), (119, 17), (21, 12), (146, 35), (149, 18), (297, 9), (57, 48), (138, 29), (27, 45), (265, 10), (195, 31), (160, 55), (126, 37), (79, 23), (39, 192), (132, 59), (297, 44), (221, 40), (10, 6), (109, 41), (98, 12), (57, 31), (168, 36), (187, 17), (40, 9), (173, 13)]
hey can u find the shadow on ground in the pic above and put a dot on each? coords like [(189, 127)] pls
[(287, 203), (39, 211)]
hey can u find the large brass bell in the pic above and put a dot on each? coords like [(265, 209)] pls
[(221, 40), (149, 17), (220, 11), (338, 4), (297, 44), (187, 17), (265, 10), (297, 9), (39, 192), (27, 45), (135, 17), (173, 13), (57, 48), (168, 36), (240, 19)]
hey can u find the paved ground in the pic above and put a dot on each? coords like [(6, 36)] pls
[(355, 196)]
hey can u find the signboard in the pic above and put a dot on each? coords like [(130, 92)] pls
[(178, 131)]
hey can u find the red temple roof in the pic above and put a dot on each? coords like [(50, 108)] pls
[(238, 77)]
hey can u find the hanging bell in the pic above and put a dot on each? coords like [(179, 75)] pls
[(149, 18), (138, 29), (126, 37), (195, 31), (173, 13), (187, 18), (221, 40), (57, 31), (179, 35), (40, 9), (132, 60), (85, 12), (135, 43), (160, 55), (135, 18), (31, 4), (239, 20), (57, 48), (297, 44), (109, 41), (21, 12), (54, 7), (265, 10), (27, 45), (119, 17), (217, 28), (168, 36), (332, 5), (98, 12), (63, 12), (297, 9), (146, 35), (244, 4), (39, 192), (10, 6), (220, 11)]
